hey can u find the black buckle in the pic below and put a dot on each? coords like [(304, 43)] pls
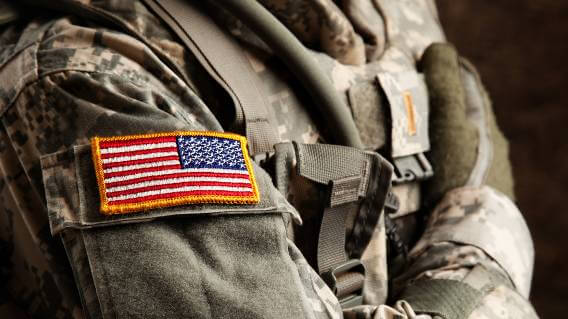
[(411, 168), (331, 278)]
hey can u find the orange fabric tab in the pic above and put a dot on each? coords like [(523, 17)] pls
[(410, 115)]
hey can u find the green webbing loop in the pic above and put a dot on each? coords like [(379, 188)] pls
[(448, 299)]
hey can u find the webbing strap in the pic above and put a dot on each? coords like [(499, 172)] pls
[(448, 299), (357, 182), (224, 60), (331, 241), (348, 283)]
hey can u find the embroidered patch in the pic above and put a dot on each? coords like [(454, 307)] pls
[(141, 172)]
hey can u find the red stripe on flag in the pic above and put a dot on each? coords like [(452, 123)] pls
[(142, 170), (175, 185), (175, 175), (180, 194), (140, 152), (141, 161), (137, 141)]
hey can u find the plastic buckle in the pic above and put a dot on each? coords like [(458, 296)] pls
[(411, 168), (331, 278)]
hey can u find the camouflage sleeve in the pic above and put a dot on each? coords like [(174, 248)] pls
[(477, 237), (66, 81)]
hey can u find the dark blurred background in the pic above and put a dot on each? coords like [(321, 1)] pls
[(521, 50)]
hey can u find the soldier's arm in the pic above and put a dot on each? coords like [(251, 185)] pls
[(207, 260), (475, 258)]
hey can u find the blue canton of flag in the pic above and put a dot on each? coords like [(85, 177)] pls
[(210, 152)]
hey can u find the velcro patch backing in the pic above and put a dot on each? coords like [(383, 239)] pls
[(141, 172)]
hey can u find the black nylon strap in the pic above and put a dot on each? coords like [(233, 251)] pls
[(225, 61)]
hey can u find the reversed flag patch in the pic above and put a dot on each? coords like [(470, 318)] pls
[(141, 172)]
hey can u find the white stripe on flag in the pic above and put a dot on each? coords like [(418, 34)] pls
[(121, 149), (181, 189), (174, 171), (137, 157), (176, 180), (138, 166)]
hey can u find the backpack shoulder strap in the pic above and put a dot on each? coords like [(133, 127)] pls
[(226, 63)]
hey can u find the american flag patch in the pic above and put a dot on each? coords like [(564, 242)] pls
[(141, 172)]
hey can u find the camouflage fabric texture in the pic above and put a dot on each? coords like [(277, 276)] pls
[(67, 77)]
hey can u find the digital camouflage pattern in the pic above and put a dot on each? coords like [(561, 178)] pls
[(318, 295), (65, 78), (401, 310), (410, 27), (470, 211)]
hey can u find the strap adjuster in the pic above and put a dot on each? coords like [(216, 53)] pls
[(411, 168), (347, 281)]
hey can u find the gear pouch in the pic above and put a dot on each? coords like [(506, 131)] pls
[(190, 261)]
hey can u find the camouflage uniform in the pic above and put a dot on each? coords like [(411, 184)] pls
[(66, 78)]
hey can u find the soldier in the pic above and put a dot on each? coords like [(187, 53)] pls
[(411, 218)]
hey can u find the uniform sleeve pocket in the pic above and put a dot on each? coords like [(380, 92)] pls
[(177, 262), (73, 197)]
